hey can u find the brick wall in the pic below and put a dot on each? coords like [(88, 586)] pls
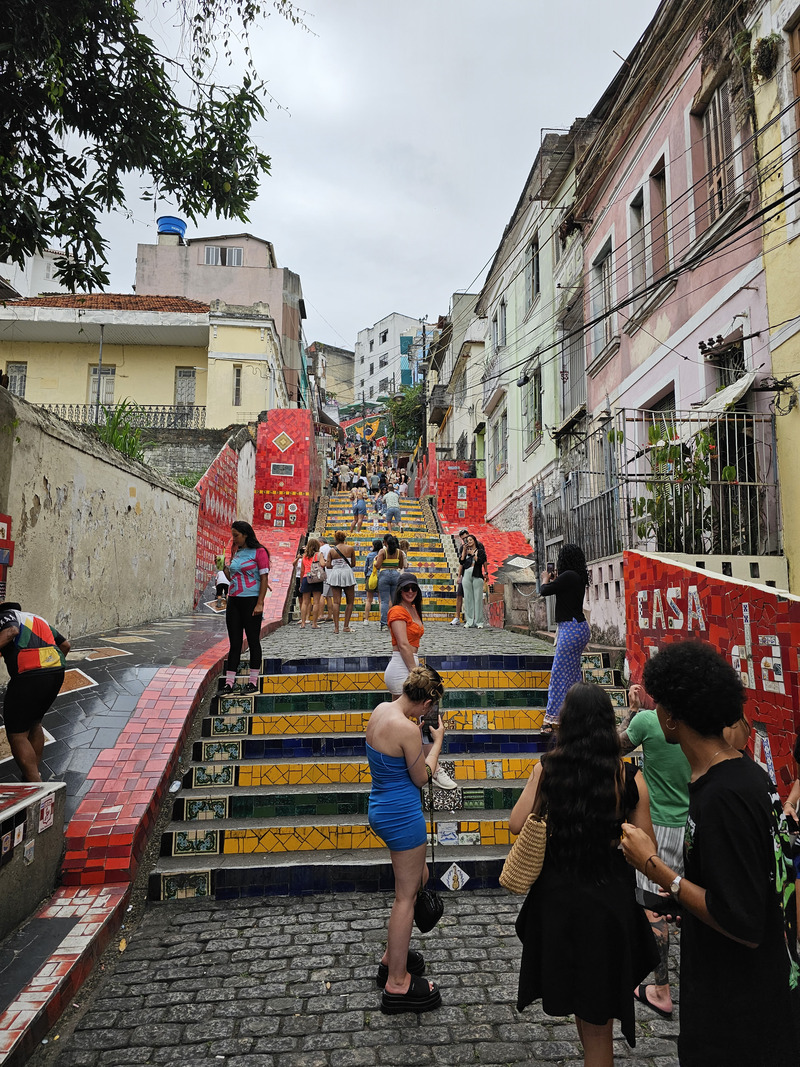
[(757, 629)]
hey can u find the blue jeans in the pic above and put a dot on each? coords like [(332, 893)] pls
[(393, 515), (387, 583)]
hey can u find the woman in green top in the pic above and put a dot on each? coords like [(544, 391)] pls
[(389, 562)]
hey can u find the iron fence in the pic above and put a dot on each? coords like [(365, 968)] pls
[(148, 416), (694, 482)]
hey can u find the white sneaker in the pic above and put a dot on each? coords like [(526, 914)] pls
[(479, 626), (443, 780), (454, 622)]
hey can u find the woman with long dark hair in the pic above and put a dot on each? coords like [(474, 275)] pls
[(586, 942), (471, 577), (248, 572), (399, 765), (568, 585)]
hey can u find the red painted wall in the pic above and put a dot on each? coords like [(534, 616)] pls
[(453, 479), (756, 629), (217, 489), (288, 477)]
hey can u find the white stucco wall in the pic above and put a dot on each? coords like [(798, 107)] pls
[(100, 541)]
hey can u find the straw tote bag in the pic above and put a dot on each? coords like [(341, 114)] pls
[(523, 863)]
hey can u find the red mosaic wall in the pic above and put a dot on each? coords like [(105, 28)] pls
[(500, 545), (217, 489), (757, 629), (288, 475), (460, 498)]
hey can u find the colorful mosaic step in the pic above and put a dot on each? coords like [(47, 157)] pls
[(305, 703), (328, 682)]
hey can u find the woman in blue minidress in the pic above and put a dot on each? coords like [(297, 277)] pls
[(400, 765)]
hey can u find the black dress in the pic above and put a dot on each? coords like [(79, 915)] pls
[(586, 945)]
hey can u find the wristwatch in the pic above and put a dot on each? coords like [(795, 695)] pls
[(675, 887)]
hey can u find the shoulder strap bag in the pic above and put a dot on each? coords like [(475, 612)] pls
[(524, 862), (429, 906)]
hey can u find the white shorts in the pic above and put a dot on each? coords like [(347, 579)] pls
[(396, 673)]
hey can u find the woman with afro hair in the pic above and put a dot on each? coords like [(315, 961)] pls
[(568, 585), (740, 981)]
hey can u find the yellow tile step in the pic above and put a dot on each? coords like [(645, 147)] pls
[(373, 680), (355, 722)]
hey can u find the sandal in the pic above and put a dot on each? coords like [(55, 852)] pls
[(418, 997), (415, 965), (347, 630)]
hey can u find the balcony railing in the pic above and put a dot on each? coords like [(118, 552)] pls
[(492, 380), (690, 482), (148, 416)]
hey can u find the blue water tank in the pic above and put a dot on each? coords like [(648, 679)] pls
[(170, 224)]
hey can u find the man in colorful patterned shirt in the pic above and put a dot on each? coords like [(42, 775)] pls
[(34, 653)]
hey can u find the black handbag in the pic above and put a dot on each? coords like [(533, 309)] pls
[(429, 906)]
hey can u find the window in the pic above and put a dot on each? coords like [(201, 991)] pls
[(237, 385), (17, 378), (638, 248), (502, 336), (462, 447), (603, 297), (532, 408), (362, 358), (371, 346), (184, 385), (384, 336), (372, 368), (221, 256), (102, 379), (573, 359), (460, 391), (718, 146), (383, 385), (532, 275), (371, 391), (383, 361), (794, 50), (659, 224), (729, 363), (495, 334), (49, 269), (499, 447)]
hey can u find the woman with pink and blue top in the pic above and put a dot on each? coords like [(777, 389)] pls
[(248, 572), (568, 586)]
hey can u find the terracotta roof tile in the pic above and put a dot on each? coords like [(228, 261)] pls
[(113, 302)]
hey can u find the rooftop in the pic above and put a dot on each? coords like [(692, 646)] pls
[(113, 302)]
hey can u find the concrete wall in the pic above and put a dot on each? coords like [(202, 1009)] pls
[(100, 541), (175, 452)]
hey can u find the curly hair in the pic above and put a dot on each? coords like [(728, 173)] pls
[(582, 784), (695, 685), (571, 558)]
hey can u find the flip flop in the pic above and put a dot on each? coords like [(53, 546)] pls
[(419, 997), (415, 964), (641, 996)]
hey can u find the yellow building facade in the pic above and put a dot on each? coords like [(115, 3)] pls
[(775, 58)]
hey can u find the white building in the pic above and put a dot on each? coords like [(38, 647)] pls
[(386, 357), (36, 277)]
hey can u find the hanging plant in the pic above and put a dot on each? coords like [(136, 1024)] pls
[(765, 55)]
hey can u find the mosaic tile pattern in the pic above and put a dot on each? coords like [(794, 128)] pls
[(756, 628), (372, 680)]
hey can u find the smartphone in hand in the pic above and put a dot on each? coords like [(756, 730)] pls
[(430, 719)]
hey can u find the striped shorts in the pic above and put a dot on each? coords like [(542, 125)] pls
[(670, 849)]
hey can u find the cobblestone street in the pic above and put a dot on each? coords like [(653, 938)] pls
[(289, 982)]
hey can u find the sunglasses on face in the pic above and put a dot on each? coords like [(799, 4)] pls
[(410, 588)]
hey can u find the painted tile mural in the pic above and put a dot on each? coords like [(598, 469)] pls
[(288, 475), (217, 489), (756, 628)]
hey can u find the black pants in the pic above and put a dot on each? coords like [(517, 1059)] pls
[(240, 620), (28, 697)]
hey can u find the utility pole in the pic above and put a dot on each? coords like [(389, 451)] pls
[(363, 417), (423, 371)]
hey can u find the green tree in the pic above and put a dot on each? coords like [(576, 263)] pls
[(405, 415), (86, 98)]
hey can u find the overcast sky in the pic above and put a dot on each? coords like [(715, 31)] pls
[(405, 132)]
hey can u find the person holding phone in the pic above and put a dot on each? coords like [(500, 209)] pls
[(399, 766), (568, 584), (740, 978)]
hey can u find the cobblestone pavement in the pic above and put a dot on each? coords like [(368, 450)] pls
[(441, 639), (289, 982)]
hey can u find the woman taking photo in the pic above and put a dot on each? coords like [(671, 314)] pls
[(310, 592), (389, 562), (568, 585), (586, 943), (248, 573), (340, 563), (472, 575), (399, 766)]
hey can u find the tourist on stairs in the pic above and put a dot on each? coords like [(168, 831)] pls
[(389, 562), (399, 766), (568, 585), (340, 563), (473, 573), (310, 592), (248, 572)]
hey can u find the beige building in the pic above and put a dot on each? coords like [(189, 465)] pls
[(185, 364), (236, 269)]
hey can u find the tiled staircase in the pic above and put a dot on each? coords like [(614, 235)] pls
[(426, 555), (275, 799)]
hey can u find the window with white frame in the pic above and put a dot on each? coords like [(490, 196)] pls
[(223, 256), (185, 382), (533, 281), (717, 123), (17, 378), (502, 335), (603, 296), (101, 384), (532, 408), (573, 359), (237, 385), (659, 220), (499, 446), (384, 336), (495, 333), (637, 244)]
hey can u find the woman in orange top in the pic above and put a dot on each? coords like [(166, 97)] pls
[(405, 626)]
